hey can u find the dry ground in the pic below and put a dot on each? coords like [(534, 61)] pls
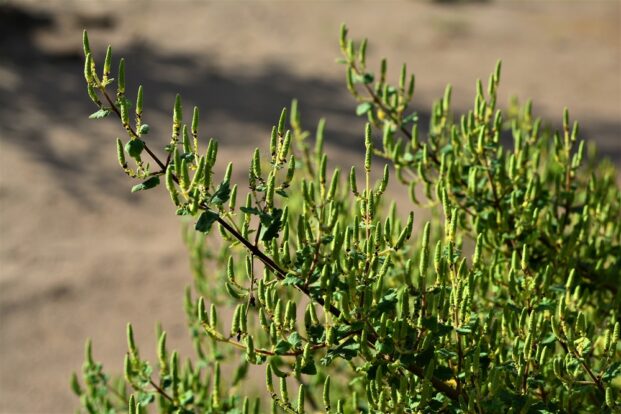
[(80, 256)]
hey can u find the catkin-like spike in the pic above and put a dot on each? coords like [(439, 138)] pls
[(269, 192), (120, 153), (107, 63), (301, 398), (610, 399), (384, 181), (405, 233), (195, 119), (185, 136), (524, 259), (127, 369), (284, 394), (478, 249), (286, 145), (256, 163), (85, 43), (201, 311), (322, 168), (424, 256), (161, 351), (326, 393), (121, 78), (352, 180), (319, 136), (274, 143), (282, 121), (133, 407), (131, 344), (177, 111), (88, 69), (170, 186), (184, 179), (570, 280), (251, 355)]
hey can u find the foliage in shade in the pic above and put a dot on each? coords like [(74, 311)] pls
[(507, 301)]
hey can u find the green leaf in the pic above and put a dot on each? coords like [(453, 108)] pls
[(295, 340), (134, 147), (282, 347), (206, 220), (363, 108), (291, 279), (222, 194), (146, 185), (102, 113), (144, 129)]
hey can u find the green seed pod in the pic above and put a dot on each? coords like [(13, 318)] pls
[(85, 43), (177, 111), (121, 78), (198, 174)]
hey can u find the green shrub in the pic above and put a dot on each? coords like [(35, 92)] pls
[(507, 301)]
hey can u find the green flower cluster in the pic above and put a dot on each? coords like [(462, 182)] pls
[(508, 300)]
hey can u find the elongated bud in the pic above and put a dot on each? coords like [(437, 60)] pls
[(121, 78), (321, 125), (284, 394)]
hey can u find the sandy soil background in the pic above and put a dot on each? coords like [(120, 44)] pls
[(80, 256)]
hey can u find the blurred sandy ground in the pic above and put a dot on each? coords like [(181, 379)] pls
[(80, 256)]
